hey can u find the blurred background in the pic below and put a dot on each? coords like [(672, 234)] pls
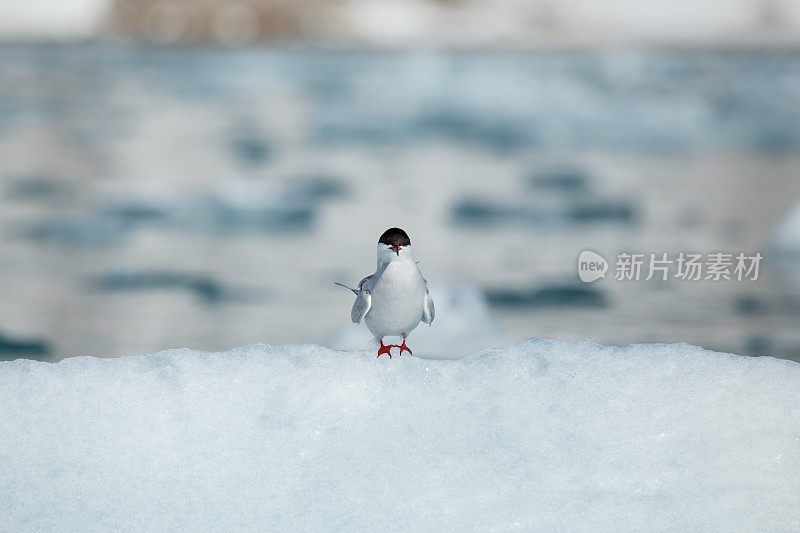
[(199, 172)]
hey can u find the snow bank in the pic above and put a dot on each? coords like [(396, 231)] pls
[(541, 434)]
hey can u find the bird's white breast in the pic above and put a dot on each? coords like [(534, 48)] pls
[(397, 300)]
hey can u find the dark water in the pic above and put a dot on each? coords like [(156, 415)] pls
[(162, 197)]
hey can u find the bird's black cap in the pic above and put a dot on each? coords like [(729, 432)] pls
[(395, 236)]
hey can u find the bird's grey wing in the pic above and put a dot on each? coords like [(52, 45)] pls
[(363, 301), (373, 279), (361, 306), (367, 283), (428, 309)]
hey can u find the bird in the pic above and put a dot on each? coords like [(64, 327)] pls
[(395, 299)]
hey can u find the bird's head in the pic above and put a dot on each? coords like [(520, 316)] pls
[(394, 245)]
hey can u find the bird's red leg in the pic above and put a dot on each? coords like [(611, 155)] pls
[(404, 347), (385, 349)]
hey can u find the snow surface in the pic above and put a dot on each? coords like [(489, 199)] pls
[(538, 435)]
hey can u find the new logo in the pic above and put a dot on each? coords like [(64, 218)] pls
[(591, 266)]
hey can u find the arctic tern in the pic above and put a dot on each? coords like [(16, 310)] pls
[(395, 299)]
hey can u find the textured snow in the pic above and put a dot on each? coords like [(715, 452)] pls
[(538, 435)]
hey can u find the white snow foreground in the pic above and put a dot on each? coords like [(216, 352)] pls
[(538, 435)]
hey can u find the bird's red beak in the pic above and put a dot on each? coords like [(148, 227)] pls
[(396, 249)]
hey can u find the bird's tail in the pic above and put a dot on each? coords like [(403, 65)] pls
[(346, 287)]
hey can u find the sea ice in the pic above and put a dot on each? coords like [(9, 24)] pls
[(537, 435)]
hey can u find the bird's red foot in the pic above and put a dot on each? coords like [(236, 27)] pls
[(386, 350), (404, 347)]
